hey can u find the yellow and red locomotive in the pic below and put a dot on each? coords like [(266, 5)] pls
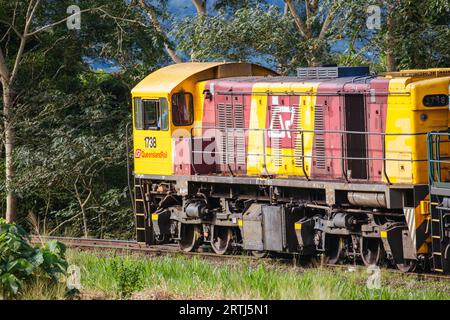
[(333, 161)]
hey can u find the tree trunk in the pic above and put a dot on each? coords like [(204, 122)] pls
[(200, 6), (11, 213), (83, 215), (390, 42), (172, 54), (153, 17)]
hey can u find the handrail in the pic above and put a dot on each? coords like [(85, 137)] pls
[(435, 156), (344, 172), (384, 161), (313, 93), (317, 131), (303, 158), (226, 153), (191, 154)]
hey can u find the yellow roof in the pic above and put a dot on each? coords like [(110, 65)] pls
[(167, 78)]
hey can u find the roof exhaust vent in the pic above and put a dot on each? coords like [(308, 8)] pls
[(331, 72)]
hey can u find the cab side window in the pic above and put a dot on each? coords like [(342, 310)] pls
[(151, 114), (182, 109), (138, 120)]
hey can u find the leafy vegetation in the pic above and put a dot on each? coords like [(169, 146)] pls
[(21, 264), (192, 278), (127, 276)]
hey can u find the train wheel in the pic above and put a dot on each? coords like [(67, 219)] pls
[(372, 251), (190, 235), (221, 239), (260, 254), (334, 248), (407, 265)]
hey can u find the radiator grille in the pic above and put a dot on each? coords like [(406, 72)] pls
[(319, 124), (298, 125), (231, 143), (222, 123), (239, 134), (318, 73)]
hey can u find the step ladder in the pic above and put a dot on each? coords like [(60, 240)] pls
[(142, 218), (440, 241), (438, 144)]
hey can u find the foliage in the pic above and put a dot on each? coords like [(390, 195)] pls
[(415, 33), (182, 277), (248, 33), (70, 120), (262, 33), (73, 161), (127, 276), (20, 263)]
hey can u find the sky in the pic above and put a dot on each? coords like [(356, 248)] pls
[(185, 8)]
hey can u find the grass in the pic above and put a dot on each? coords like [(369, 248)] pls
[(106, 276)]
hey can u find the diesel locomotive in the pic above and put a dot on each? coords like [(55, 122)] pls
[(334, 162)]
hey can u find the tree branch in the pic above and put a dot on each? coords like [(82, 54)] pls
[(61, 21), (329, 19), (63, 223), (308, 11), (302, 28), (153, 17), (200, 6), (11, 26), (23, 40), (4, 72), (121, 19)]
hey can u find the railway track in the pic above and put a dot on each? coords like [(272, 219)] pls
[(173, 250), (132, 246)]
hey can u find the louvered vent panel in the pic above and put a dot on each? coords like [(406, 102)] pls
[(239, 134), (222, 123), (230, 150), (298, 125), (318, 73), (319, 124), (275, 136)]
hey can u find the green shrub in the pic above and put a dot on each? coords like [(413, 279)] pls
[(21, 263), (128, 277)]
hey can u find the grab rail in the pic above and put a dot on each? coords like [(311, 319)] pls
[(436, 158), (342, 133)]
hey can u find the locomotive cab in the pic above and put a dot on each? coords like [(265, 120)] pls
[(165, 105)]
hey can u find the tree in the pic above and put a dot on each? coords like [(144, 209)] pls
[(36, 47), (156, 10), (416, 34), (71, 163), (301, 34), (24, 23)]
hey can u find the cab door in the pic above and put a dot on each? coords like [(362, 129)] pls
[(152, 138)]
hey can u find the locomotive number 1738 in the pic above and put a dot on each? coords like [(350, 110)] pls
[(150, 142)]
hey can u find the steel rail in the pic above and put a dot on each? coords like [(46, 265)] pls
[(159, 250)]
